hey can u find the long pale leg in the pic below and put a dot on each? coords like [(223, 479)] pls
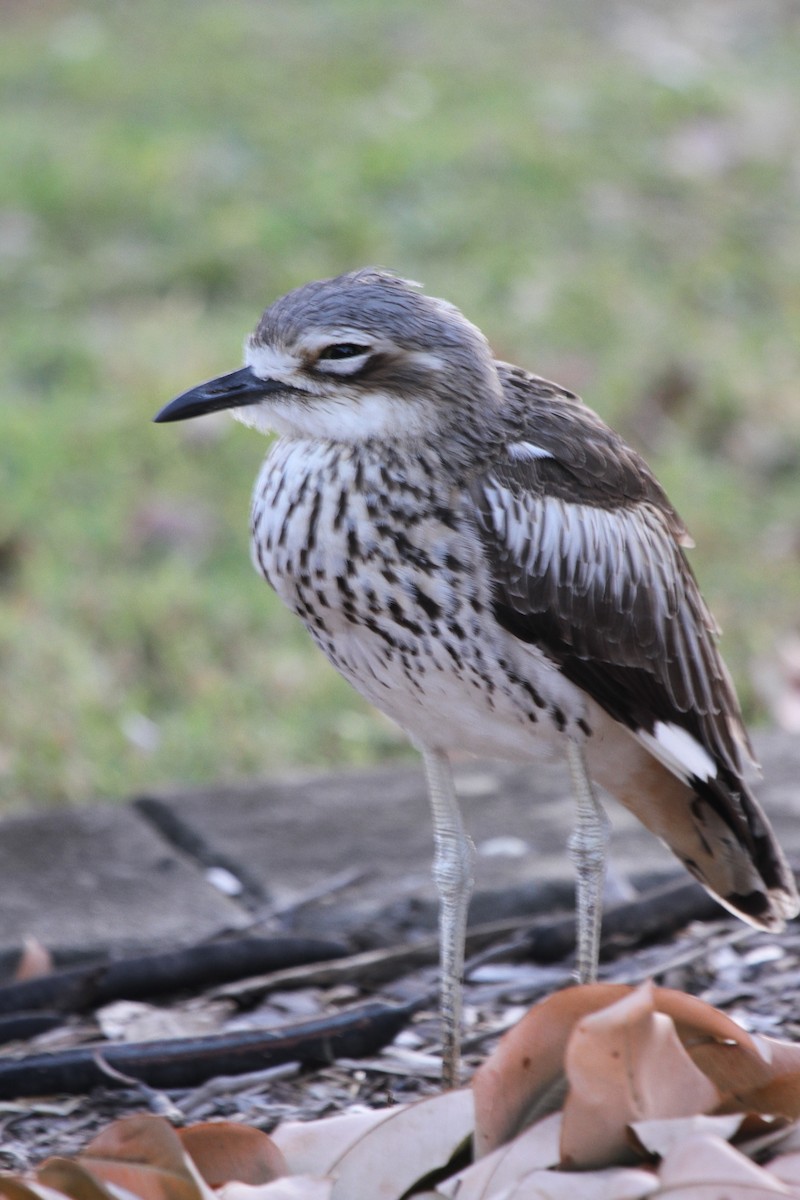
[(453, 874), (587, 849)]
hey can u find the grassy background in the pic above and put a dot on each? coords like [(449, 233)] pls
[(610, 189)]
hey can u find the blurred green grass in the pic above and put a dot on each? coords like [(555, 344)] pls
[(610, 190)]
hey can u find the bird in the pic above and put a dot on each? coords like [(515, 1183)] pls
[(494, 568)]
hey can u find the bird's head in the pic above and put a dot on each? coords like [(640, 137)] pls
[(365, 355)]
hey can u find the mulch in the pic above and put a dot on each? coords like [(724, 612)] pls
[(673, 935)]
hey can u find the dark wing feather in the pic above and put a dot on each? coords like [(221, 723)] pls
[(586, 555)]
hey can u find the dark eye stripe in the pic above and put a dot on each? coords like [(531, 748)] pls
[(343, 350)]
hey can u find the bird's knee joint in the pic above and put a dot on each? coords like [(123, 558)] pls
[(588, 852), (453, 865)]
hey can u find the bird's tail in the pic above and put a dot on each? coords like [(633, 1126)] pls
[(718, 831)]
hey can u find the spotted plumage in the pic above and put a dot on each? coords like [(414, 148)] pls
[(490, 564)]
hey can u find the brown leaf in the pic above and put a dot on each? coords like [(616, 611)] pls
[(780, 1096), (706, 1168), (694, 1019), (223, 1151), (752, 1073), (14, 1188), (34, 961), (69, 1177), (523, 1079), (744, 1075), (625, 1063), (144, 1155)]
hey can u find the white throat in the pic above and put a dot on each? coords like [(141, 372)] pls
[(352, 416)]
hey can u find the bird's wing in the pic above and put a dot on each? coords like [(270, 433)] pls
[(585, 552)]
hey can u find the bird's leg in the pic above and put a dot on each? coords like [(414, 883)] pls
[(453, 874), (587, 849)]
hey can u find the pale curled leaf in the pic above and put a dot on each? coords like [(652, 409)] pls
[(776, 1139), (786, 1167), (522, 1080), (288, 1187), (536, 1147), (405, 1148), (312, 1147), (625, 1063), (707, 1168), (617, 1183), (659, 1135)]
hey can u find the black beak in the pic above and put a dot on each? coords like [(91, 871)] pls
[(227, 391)]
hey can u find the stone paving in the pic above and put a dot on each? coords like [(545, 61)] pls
[(162, 870)]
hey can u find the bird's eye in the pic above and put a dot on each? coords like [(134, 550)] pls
[(343, 350)]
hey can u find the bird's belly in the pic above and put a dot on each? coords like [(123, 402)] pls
[(403, 609), (483, 708)]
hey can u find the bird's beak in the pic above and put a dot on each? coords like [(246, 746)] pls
[(227, 391)]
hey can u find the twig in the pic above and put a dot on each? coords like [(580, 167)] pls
[(185, 1062), (701, 947), (157, 1101), (81, 988), (230, 1085)]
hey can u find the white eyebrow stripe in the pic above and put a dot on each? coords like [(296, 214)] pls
[(526, 452), (315, 340)]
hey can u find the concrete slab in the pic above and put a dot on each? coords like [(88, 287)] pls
[(93, 879), (292, 834), (105, 878)]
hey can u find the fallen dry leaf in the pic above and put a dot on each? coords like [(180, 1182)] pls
[(643, 1071), (70, 1178), (677, 1057), (523, 1079), (537, 1147), (288, 1187), (780, 1097), (707, 1168), (135, 1021), (144, 1155), (404, 1149), (224, 1151), (14, 1188), (786, 1167), (312, 1147), (34, 961), (623, 1064), (614, 1184), (659, 1135)]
